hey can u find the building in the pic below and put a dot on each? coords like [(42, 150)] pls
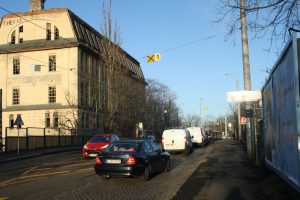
[(55, 73), (0, 118)]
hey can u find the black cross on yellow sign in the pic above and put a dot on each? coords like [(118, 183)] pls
[(151, 58)]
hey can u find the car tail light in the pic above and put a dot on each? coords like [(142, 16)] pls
[(131, 161), (162, 141), (98, 161)]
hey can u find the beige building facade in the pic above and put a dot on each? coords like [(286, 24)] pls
[(54, 74)]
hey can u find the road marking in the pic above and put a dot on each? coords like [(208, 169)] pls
[(32, 176), (26, 172), (78, 164), (38, 175), (42, 169), (84, 170), (23, 181), (62, 162), (79, 171)]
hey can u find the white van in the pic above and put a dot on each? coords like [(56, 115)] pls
[(197, 136), (177, 140)]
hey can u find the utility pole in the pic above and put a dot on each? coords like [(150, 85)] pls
[(238, 111), (247, 78)]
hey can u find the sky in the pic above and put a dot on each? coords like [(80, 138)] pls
[(195, 54)]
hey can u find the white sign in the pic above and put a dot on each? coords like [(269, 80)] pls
[(140, 125), (243, 96)]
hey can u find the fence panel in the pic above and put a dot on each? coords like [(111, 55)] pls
[(35, 142), (36, 138), (12, 143)]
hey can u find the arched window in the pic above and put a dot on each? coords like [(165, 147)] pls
[(56, 33), (13, 38), (48, 31)]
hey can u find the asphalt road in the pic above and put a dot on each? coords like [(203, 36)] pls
[(219, 171), (69, 176)]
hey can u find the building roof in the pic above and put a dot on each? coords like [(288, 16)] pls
[(86, 36)]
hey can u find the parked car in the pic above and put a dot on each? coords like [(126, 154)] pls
[(198, 138), (97, 143), (132, 158), (177, 140)]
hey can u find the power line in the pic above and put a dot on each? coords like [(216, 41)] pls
[(46, 64), (189, 43)]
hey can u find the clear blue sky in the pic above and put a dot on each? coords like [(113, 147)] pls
[(191, 72)]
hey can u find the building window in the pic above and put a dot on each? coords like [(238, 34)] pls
[(21, 29), (52, 94), (13, 38), (48, 31), (55, 119), (11, 121), (16, 96), (20, 40), (52, 63), (56, 33), (47, 120), (16, 66)]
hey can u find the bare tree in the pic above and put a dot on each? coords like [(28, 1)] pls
[(161, 109), (124, 89), (270, 18), (191, 120)]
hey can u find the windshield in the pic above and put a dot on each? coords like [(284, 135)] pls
[(123, 147), (99, 139)]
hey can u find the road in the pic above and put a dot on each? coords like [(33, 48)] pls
[(69, 176), (216, 172)]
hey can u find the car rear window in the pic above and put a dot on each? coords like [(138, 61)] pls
[(100, 139), (123, 147)]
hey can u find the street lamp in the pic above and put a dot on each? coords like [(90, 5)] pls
[(165, 118), (200, 112), (238, 105)]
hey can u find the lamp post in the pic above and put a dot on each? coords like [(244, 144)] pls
[(165, 118), (200, 112), (238, 106)]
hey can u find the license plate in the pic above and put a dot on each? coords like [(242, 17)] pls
[(93, 155), (113, 161)]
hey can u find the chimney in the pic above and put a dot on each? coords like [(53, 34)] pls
[(36, 5)]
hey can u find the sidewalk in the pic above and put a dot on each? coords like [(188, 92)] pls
[(228, 175), (13, 156)]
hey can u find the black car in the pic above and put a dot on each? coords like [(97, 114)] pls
[(132, 158)]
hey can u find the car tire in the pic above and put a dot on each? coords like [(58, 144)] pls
[(203, 144), (106, 177), (147, 173), (168, 165)]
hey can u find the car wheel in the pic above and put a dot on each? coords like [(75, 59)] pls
[(203, 144), (106, 177), (168, 165), (147, 173)]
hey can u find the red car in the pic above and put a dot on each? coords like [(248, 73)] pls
[(97, 143)]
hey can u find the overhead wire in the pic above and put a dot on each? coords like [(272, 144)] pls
[(99, 81), (46, 64)]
